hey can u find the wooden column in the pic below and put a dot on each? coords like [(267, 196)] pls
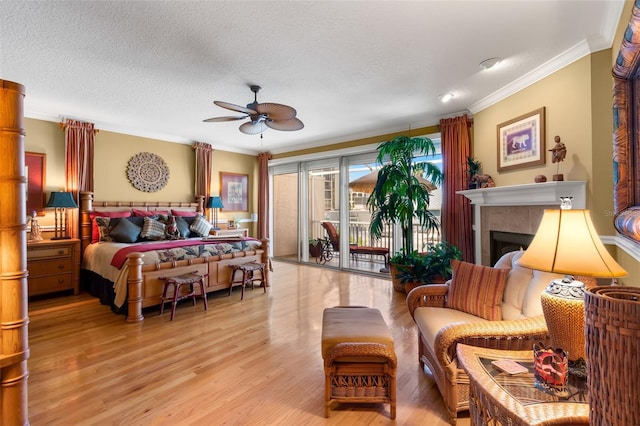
[(14, 342)]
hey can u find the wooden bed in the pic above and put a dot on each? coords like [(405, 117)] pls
[(144, 286)]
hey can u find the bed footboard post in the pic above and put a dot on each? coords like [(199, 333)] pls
[(265, 259), (134, 286)]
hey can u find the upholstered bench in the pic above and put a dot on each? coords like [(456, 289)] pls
[(359, 358)]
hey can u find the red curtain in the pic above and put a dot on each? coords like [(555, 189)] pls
[(263, 195), (456, 209), (204, 167), (78, 159)]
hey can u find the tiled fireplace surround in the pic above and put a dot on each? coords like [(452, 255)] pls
[(516, 208)]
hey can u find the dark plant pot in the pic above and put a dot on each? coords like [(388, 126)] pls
[(473, 185), (315, 250), (408, 286), (393, 270), (438, 279)]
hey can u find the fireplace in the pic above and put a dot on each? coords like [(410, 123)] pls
[(504, 242), (516, 209)]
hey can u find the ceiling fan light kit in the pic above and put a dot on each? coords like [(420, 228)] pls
[(262, 116)]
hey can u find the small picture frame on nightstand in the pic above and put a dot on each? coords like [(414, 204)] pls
[(231, 224)]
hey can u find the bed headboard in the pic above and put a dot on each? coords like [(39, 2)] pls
[(88, 205)]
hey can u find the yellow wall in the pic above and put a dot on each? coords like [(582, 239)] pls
[(578, 101), (566, 97), (359, 142), (112, 154)]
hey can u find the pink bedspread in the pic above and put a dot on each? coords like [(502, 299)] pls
[(121, 255)]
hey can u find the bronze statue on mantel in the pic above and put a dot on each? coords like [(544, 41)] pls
[(558, 153)]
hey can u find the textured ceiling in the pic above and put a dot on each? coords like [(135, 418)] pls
[(351, 68)]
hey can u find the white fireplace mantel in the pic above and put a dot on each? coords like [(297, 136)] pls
[(535, 194), (547, 193)]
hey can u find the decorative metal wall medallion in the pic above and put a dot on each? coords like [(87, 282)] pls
[(147, 172)]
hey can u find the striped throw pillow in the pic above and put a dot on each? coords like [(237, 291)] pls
[(200, 226), (153, 229), (477, 290)]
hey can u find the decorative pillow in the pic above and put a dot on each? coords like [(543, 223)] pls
[(153, 229), (183, 226), (104, 230), (183, 213), (125, 231), (201, 226), (149, 213), (95, 233), (136, 220), (477, 289)]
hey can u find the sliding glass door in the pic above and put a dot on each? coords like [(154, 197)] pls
[(326, 199), (284, 204)]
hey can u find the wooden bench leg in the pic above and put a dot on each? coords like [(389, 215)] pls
[(164, 296), (204, 294), (192, 291), (174, 302)]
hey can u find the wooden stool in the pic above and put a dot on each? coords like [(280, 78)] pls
[(177, 282), (359, 358), (248, 276)]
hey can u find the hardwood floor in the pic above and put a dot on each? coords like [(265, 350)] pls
[(250, 362)]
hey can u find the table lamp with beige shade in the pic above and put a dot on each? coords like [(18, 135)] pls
[(566, 242)]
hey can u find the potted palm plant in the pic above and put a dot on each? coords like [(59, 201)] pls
[(400, 195), (431, 266)]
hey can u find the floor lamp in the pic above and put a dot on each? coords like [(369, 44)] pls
[(566, 242), (215, 203), (61, 201)]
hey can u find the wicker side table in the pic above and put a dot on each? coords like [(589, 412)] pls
[(499, 399)]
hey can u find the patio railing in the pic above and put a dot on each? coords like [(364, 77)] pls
[(359, 234)]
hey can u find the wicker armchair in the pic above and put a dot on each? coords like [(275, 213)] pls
[(440, 328)]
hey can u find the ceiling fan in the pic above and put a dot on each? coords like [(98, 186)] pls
[(261, 116)]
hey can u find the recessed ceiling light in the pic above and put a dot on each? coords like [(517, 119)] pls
[(489, 63), (446, 97)]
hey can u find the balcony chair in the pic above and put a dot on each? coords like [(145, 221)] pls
[(354, 249)]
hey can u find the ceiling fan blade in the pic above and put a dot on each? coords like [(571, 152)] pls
[(253, 127), (234, 107), (286, 125), (276, 111), (219, 119)]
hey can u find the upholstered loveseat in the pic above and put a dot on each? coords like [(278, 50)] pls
[(481, 306)]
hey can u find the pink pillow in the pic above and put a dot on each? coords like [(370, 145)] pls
[(149, 213), (95, 232), (477, 290), (183, 213)]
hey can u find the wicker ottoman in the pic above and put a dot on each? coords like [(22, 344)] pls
[(359, 358)]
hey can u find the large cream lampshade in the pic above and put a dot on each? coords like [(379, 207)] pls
[(566, 242)]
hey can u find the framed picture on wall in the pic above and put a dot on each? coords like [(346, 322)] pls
[(35, 171), (234, 190), (521, 141)]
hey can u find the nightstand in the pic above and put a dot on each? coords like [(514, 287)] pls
[(54, 265)]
